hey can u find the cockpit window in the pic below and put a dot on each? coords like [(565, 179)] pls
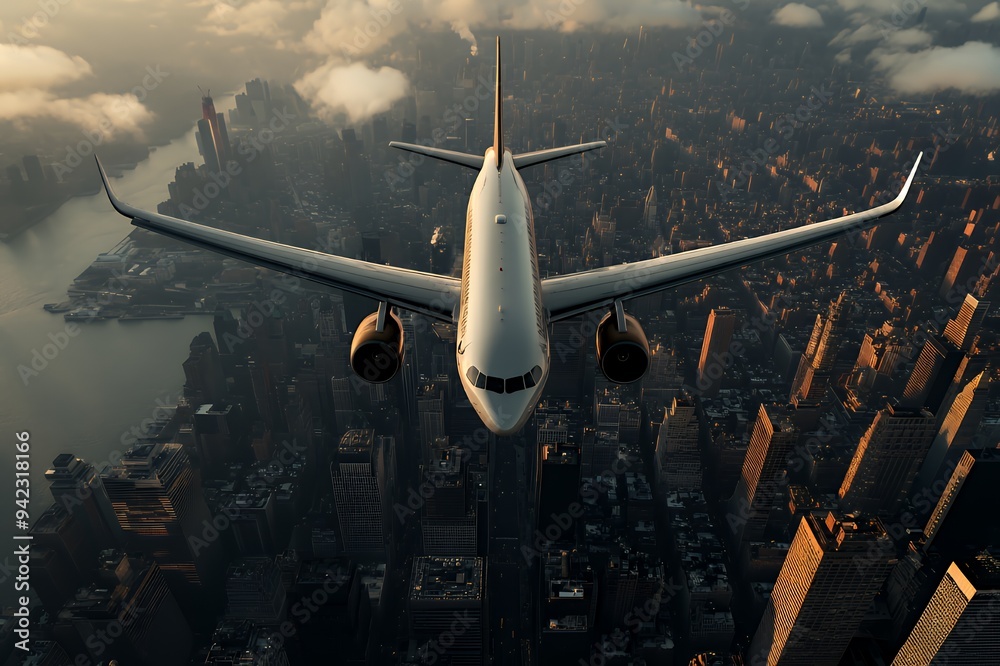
[(509, 385)]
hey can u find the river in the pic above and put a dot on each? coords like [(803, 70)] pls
[(107, 378)]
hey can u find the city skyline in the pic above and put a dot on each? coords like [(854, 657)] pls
[(814, 435)]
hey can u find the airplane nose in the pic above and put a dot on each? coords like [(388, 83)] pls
[(506, 414)]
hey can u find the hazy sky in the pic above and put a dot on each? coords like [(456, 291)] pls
[(68, 66)]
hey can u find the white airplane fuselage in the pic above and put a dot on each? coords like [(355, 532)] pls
[(503, 342)]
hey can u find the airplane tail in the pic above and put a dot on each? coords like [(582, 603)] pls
[(476, 161)]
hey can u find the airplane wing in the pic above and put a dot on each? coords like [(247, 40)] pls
[(434, 295), (568, 295)]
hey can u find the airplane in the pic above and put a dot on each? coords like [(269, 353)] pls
[(502, 307)]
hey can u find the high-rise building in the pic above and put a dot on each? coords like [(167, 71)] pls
[(887, 460), (244, 642), (757, 494), (76, 485), (816, 365), (206, 144), (957, 431), (431, 414), (254, 590), (963, 329), (359, 492), (129, 615), (963, 521), (959, 626), (446, 599), (649, 218), (157, 498), (208, 113), (204, 380), (712, 362), (834, 568), (678, 452), (558, 487), (933, 374)]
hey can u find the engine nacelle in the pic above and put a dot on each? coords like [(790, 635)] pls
[(376, 356), (623, 357)]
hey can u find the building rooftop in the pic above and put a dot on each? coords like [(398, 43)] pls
[(440, 578)]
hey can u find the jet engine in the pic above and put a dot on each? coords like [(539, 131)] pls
[(622, 355), (376, 355)]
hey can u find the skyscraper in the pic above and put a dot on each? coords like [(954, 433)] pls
[(933, 374), (834, 568), (772, 440), (446, 609), (712, 362), (359, 481), (254, 590), (219, 141), (157, 497), (958, 429), (887, 460), (678, 454), (963, 329), (959, 626), (77, 486), (558, 487), (813, 375), (649, 218), (206, 143), (964, 521)]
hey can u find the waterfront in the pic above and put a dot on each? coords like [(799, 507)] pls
[(109, 377)]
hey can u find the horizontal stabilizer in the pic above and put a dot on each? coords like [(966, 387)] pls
[(539, 156), (453, 156)]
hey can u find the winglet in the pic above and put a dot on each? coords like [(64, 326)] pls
[(909, 179), (498, 116), (116, 203)]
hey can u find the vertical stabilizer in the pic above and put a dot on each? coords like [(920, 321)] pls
[(498, 116)]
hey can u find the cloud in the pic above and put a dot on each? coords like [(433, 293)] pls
[(110, 114), (28, 73), (24, 67), (258, 18), (990, 12), (355, 89), (909, 38), (972, 68), (355, 28), (796, 15)]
